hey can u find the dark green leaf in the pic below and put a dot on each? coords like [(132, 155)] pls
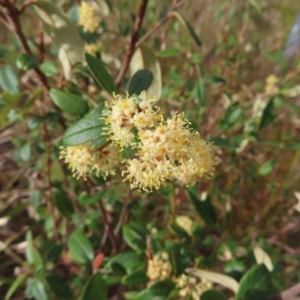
[(8, 80), (204, 208), (255, 284), (84, 131), (100, 73), (232, 116), (59, 286), (268, 115), (26, 62), (14, 286), (220, 142), (135, 278), (118, 268), (54, 253), (81, 249), (134, 237), (162, 288), (129, 260), (70, 103), (235, 269), (63, 204), (96, 288), (201, 93), (140, 81), (213, 295), (179, 232), (48, 68)]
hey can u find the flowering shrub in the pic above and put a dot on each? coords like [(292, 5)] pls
[(141, 162)]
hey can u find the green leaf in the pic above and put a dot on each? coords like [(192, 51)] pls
[(235, 269), (134, 236), (59, 286), (54, 253), (32, 255), (35, 289), (26, 62), (213, 295), (86, 130), (179, 232), (267, 167), (100, 73), (95, 288), (188, 27), (215, 80), (201, 92), (118, 268), (63, 33), (232, 116), (81, 249), (268, 115), (48, 68), (63, 204), (220, 142), (144, 58), (14, 286), (129, 260), (140, 81), (136, 278), (70, 103), (255, 284), (172, 52), (162, 288), (204, 208), (8, 80)]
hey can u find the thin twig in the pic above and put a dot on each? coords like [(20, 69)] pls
[(131, 47), (160, 23), (25, 5), (107, 226)]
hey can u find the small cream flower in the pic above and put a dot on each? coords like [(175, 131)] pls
[(159, 267), (89, 17), (272, 85), (84, 159), (190, 287), (91, 49), (186, 223)]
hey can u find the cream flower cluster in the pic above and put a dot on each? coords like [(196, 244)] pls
[(159, 267), (89, 17), (166, 149), (190, 287), (84, 159)]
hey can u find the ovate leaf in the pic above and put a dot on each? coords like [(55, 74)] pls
[(8, 80), (255, 284), (95, 288), (267, 167), (268, 115), (70, 103), (81, 249), (140, 81), (86, 130), (63, 204), (63, 33), (144, 58), (100, 73)]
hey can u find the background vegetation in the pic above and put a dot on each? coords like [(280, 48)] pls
[(219, 62)]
